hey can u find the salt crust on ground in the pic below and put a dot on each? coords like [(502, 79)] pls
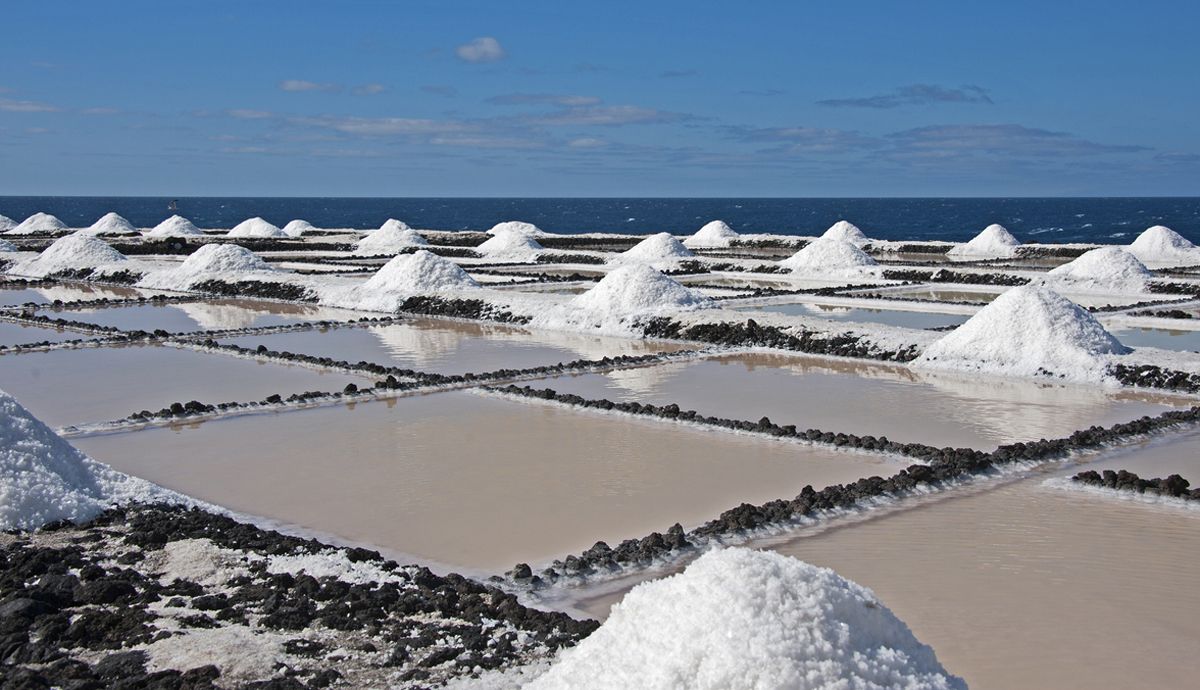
[(43, 478), (517, 226), (175, 226), (392, 237), (210, 262), (511, 246), (255, 227), (714, 234), (655, 249), (38, 223), (1162, 246), (298, 228), (739, 618), (832, 258), (1027, 331), (847, 232), (109, 224), (73, 252), (994, 242), (1107, 269)]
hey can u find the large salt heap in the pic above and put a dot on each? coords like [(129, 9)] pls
[(175, 226), (739, 618), (7, 223), (1027, 331), (393, 237), (714, 234), (109, 224), (637, 289), (43, 478), (517, 226), (661, 249), (831, 258), (994, 242), (421, 272), (511, 246), (255, 227), (1162, 246), (298, 228), (37, 224), (227, 262), (72, 253), (1107, 269), (847, 232)]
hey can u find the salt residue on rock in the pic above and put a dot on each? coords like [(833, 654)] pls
[(210, 262), (1107, 269), (175, 226), (517, 226), (714, 234), (43, 478), (389, 239), (70, 253), (1162, 246), (255, 227), (38, 223), (109, 224), (658, 250), (1027, 331), (739, 618), (298, 228), (511, 246), (828, 258), (994, 242), (637, 289), (847, 232)]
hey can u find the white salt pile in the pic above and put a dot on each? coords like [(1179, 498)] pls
[(739, 618), (661, 249), (71, 253), (1107, 269), (831, 258), (517, 226), (7, 223), (43, 478), (714, 234), (298, 228), (389, 239), (38, 223), (255, 227), (847, 232), (995, 242), (210, 262), (421, 272), (6, 246), (1162, 246), (109, 224), (511, 246), (637, 289), (1027, 331), (175, 226)]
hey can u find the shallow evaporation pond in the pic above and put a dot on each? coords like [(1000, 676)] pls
[(21, 334), (1162, 338), (941, 295), (903, 404), (474, 481), (1159, 456), (890, 317), (453, 347), (74, 292), (74, 387), (210, 315)]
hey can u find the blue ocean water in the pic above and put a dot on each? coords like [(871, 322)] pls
[(1109, 220)]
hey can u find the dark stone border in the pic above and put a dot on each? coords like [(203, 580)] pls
[(1173, 486), (752, 334), (942, 275)]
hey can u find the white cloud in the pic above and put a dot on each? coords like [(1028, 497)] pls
[(382, 126), (587, 143), (11, 106), (543, 98), (369, 89), (302, 85), (483, 49), (247, 114), (611, 115)]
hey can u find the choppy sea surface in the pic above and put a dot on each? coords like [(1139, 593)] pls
[(1049, 220)]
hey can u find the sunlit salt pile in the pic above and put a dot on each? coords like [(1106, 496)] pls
[(392, 237), (255, 227), (298, 228), (660, 249), (517, 226), (994, 242), (109, 224), (847, 232), (637, 289), (407, 275), (7, 223), (175, 226), (1027, 331), (829, 258), (37, 224), (210, 262), (71, 253), (43, 478), (1104, 269), (511, 246), (739, 618), (1162, 246), (714, 234)]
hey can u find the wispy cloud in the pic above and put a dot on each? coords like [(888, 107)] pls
[(100, 111), (369, 89), (382, 126), (587, 143), (943, 141), (482, 49), (1177, 157), (300, 85), (488, 142), (589, 67), (440, 90), (13, 106), (677, 73), (543, 99), (607, 115), (806, 139), (248, 114), (914, 94)]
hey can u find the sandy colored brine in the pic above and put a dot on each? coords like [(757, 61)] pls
[(209, 315)]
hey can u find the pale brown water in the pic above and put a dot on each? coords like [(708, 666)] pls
[(454, 347), (63, 387), (20, 334), (871, 398), (889, 317), (221, 314), (472, 481), (1158, 457), (72, 292)]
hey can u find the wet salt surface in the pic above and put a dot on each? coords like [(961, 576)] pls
[(63, 387), (73, 292), (209, 315), (473, 481), (890, 317), (453, 347), (942, 294), (1163, 338), (20, 334), (903, 404)]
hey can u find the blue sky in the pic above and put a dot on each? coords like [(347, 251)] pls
[(599, 99)]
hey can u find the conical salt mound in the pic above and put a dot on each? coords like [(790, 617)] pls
[(389, 239), (637, 288), (654, 249), (7, 223), (393, 224), (421, 272), (1027, 331), (175, 226), (739, 618), (995, 242), (511, 246), (714, 234), (516, 226), (1104, 269), (1161, 245), (37, 224), (210, 262), (847, 232), (6, 246), (255, 227), (109, 224), (70, 253), (830, 257), (298, 228)]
